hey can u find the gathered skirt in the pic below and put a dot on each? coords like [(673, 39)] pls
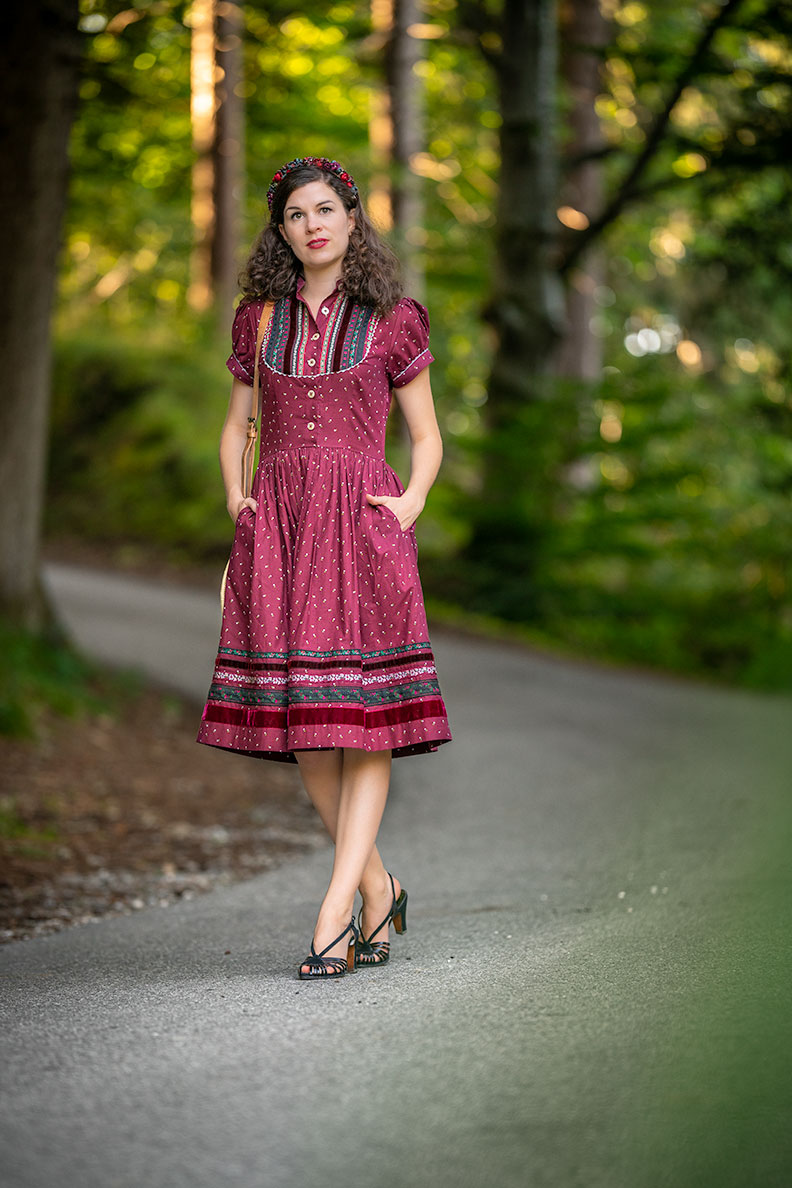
[(324, 640)]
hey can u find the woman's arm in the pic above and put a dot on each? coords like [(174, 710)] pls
[(426, 449), (232, 443)]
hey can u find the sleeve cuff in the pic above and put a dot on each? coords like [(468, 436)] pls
[(413, 368), (238, 371)]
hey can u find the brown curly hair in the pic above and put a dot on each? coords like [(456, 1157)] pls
[(370, 270)]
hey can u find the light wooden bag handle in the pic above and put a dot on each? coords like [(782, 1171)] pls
[(249, 452)]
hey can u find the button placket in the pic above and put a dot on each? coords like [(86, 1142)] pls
[(311, 394), (315, 337)]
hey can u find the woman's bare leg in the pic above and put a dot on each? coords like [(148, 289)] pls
[(320, 772), (364, 782)]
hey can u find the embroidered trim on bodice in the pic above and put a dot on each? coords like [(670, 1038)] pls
[(347, 339)]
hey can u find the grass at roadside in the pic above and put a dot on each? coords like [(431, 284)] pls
[(45, 674)]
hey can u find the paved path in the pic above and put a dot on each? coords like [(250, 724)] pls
[(593, 991)]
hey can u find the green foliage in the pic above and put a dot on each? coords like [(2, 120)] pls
[(134, 440), (312, 80), (651, 520), (44, 672), (135, 432), (668, 536)]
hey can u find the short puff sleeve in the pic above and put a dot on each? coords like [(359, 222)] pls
[(244, 332), (409, 350)]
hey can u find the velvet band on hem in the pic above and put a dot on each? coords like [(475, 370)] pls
[(267, 731), (276, 718)]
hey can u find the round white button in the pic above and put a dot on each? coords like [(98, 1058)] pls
[(325, 310), (311, 425), (314, 337), (311, 392), (312, 361)]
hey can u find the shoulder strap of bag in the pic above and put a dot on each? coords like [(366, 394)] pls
[(249, 452)]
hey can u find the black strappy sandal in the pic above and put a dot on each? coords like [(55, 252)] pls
[(331, 967), (370, 952)]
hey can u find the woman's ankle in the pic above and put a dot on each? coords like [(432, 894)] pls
[(339, 910), (376, 888)]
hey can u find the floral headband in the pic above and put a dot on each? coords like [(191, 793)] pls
[(321, 162)]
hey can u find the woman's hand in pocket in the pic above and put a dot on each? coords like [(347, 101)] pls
[(236, 502), (406, 508)]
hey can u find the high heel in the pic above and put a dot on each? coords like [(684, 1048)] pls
[(371, 952), (400, 913), (332, 967)]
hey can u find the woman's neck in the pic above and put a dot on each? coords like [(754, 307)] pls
[(319, 283)]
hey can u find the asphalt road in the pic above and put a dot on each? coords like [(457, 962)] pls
[(593, 990)]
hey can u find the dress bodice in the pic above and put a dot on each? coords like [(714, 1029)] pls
[(326, 380)]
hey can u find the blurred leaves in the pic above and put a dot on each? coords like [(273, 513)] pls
[(43, 672), (665, 487)]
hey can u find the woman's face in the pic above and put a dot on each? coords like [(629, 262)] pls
[(316, 225)]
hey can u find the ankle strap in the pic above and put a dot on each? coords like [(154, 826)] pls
[(340, 936), (389, 916)]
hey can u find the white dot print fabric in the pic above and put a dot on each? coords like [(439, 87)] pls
[(324, 641)]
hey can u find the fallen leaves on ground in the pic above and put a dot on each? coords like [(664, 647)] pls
[(104, 815)]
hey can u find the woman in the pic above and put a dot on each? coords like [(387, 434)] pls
[(324, 656)]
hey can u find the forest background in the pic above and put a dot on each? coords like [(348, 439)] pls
[(592, 199)]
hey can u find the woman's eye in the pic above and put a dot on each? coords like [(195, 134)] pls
[(296, 213)]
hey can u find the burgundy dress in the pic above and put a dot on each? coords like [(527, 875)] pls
[(324, 641)]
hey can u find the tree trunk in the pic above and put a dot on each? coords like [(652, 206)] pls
[(202, 113), (526, 311), (38, 89), (380, 128), (584, 36), (407, 115), (228, 158), (405, 104)]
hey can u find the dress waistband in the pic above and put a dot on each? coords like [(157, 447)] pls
[(267, 453)]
